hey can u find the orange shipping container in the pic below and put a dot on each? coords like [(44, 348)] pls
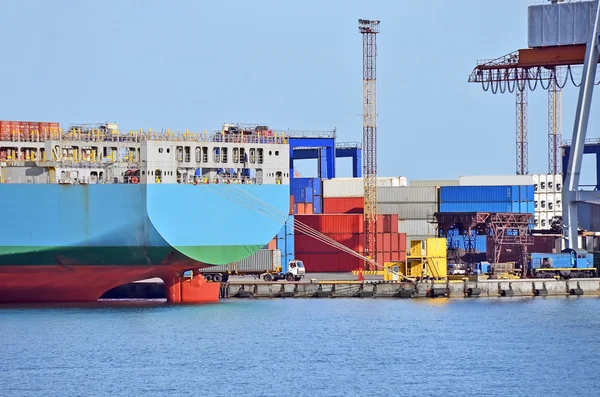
[(343, 205), (291, 205)]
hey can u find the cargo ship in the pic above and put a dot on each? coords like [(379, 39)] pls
[(90, 208)]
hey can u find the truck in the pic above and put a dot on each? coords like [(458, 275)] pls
[(265, 264)]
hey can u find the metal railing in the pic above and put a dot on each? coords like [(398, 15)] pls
[(140, 136), (348, 145)]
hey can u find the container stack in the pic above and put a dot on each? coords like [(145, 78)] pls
[(347, 229), (345, 195), (547, 199), (25, 129), (414, 206), (487, 198), (307, 193)]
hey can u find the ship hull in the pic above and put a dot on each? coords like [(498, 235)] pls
[(75, 242)]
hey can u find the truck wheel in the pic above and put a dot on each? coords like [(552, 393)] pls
[(208, 277), (290, 277), (217, 278), (268, 277)]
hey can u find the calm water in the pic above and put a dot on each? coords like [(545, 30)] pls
[(333, 347)]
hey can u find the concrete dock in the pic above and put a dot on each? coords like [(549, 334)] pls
[(152, 289)]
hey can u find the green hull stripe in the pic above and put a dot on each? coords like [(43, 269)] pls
[(132, 256)]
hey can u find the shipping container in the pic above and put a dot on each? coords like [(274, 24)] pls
[(417, 227), (407, 194), (343, 205), (409, 210), (353, 187), (543, 184), (439, 182), (330, 262), (476, 207), (560, 23), (333, 223), (536, 183), (291, 205), (476, 194), (317, 204), (261, 261), (496, 180), (310, 244), (558, 182)]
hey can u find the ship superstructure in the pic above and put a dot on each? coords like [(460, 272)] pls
[(92, 207)]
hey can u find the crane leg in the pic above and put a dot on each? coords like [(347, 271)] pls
[(586, 89)]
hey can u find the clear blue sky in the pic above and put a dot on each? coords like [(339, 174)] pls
[(297, 65)]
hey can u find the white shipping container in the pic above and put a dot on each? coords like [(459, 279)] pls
[(495, 180), (440, 182), (354, 187), (543, 184), (558, 181), (262, 260), (544, 221), (408, 210), (536, 220), (543, 203), (537, 198), (417, 227), (558, 202), (536, 183), (551, 202), (407, 194)]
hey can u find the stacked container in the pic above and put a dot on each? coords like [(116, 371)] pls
[(307, 193), (347, 229), (414, 205), (346, 195), (547, 199), (507, 198), (27, 130)]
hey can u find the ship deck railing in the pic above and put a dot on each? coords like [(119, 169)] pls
[(140, 136)]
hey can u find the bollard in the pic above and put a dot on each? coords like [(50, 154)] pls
[(473, 291), (576, 291)]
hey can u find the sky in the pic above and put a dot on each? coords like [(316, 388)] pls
[(290, 65)]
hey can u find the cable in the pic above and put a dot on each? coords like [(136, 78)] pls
[(273, 213)]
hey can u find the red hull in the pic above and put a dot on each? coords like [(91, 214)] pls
[(88, 283)]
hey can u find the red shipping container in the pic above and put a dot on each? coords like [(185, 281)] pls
[(394, 225), (343, 205), (402, 242), (333, 223), (395, 242), (398, 256), (387, 242), (311, 245), (291, 205), (334, 262)]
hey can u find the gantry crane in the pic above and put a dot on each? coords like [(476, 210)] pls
[(571, 195), (369, 30)]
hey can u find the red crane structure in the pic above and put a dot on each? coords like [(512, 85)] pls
[(524, 70)]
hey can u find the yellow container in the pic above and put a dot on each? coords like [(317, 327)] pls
[(416, 248), (391, 271), (435, 247)]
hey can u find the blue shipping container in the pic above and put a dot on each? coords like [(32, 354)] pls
[(476, 207), (488, 194), (317, 186), (317, 205)]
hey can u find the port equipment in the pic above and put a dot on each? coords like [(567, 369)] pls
[(570, 194), (427, 260), (570, 263), (369, 30), (524, 70), (507, 229)]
